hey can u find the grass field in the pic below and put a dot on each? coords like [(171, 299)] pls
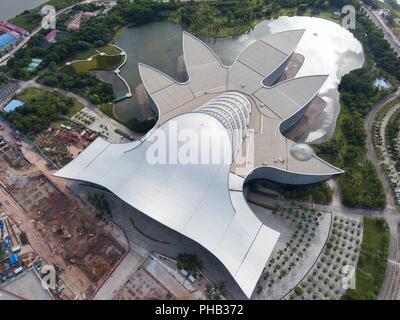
[(27, 20), (118, 33), (372, 263), (82, 55), (98, 63), (75, 109), (109, 50)]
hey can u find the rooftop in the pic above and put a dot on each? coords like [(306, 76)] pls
[(6, 38), (205, 202), (12, 105)]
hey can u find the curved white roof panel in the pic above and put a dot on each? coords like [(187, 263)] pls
[(204, 201), (192, 199)]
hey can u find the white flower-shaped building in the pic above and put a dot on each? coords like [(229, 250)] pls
[(246, 112)]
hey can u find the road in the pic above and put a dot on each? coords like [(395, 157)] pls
[(7, 56), (390, 289), (378, 21)]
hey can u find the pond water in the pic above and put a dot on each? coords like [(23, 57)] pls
[(328, 48)]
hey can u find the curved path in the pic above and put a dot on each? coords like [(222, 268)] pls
[(390, 289), (117, 69)]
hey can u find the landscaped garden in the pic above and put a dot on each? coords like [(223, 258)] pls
[(371, 267), (104, 58), (292, 257), (392, 138), (325, 279), (377, 138)]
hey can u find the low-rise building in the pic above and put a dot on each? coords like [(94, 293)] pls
[(7, 41), (51, 36)]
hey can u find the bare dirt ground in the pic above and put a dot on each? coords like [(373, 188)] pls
[(61, 145), (158, 278), (59, 226), (143, 286)]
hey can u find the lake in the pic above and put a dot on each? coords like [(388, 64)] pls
[(328, 48), (10, 8)]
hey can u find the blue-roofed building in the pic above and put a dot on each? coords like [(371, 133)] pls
[(12, 105), (13, 259), (6, 41)]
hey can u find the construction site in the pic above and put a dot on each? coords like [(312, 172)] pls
[(158, 278), (61, 143), (52, 223), (12, 154)]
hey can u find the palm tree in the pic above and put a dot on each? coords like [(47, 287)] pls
[(282, 274)]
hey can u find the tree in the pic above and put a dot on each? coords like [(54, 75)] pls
[(189, 262)]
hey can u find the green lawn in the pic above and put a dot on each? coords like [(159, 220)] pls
[(74, 109), (98, 63), (83, 55), (329, 16), (109, 50), (27, 20), (372, 263), (118, 33), (29, 94)]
